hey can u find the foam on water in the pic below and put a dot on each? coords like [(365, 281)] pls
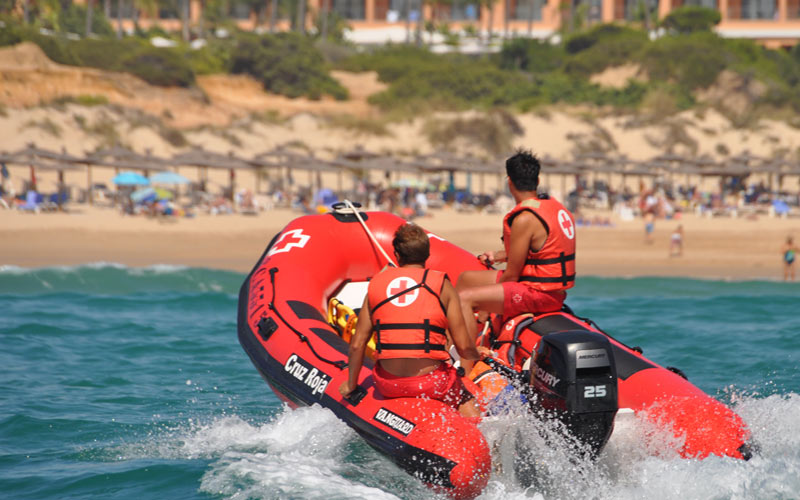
[(309, 453)]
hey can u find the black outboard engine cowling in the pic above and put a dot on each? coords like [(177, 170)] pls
[(575, 380)]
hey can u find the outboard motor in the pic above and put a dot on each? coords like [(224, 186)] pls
[(574, 379)]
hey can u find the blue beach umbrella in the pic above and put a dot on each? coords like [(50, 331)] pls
[(167, 177), (780, 206), (130, 179), (148, 194), (143, 195)]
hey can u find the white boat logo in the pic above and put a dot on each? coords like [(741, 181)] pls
[(394, 421), (303, 371), (288, 240)]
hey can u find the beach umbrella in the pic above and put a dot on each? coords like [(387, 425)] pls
[(167, 177), (130, 179), (412, 183), (148, 194), (780, 206), (163, 194), (143, 195)]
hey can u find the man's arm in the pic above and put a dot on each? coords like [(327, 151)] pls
[(358, 345), (490, 257), (465, 345), (524, 228)]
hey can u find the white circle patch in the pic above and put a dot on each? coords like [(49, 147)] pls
[(397, 285), (565, 223)]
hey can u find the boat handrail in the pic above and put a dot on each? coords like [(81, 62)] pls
[(369, 233)]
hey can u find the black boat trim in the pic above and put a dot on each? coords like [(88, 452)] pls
[(627, 363)]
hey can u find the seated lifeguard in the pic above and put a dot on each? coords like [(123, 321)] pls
[(410, 309), (539, 252)]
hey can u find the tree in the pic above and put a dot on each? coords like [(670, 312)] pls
[(506, 18), (324, 10), (692, 19), (489, 4), (531, 6), (89, 9), (273, 15), (120, 6), (301, 16), (183, 5)]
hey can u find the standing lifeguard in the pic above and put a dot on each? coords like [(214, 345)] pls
[(539, 251)]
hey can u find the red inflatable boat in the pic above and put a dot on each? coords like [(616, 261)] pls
[(293, 323)]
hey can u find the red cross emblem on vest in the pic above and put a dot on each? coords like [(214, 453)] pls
[(565, 222), (288, 240), (396, 286)]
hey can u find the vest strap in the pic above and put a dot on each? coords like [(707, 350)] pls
[(555, 279), (413, 347), (555, 260), (562, 259), (412, 326), (410, 289), (377, 329)]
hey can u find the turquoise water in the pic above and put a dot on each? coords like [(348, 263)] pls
[(123, 383)]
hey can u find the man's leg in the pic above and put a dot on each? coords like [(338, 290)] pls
[(470, 279), (481, 298)]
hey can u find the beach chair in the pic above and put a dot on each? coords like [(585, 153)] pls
[(56, 201), (33, 202)]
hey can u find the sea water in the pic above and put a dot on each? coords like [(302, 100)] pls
[(129, 383)]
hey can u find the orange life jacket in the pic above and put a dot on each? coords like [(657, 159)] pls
[(553, 266), (408, 317)]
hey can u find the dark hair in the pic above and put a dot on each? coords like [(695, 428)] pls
[(411, 245), (523, 170)]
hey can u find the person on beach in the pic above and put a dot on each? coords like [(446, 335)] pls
[(649, 226), (410, 309), (789, 252), (539, 252), (676, 242)]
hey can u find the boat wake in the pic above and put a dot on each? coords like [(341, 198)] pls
[(309, 453)]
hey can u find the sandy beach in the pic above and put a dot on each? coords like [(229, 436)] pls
[(721, 248), (229, 114)]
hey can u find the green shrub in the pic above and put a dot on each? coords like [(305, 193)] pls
[(606, 53), (87, 100), (12, 33), (691, 61), (212, 59), (107, 53), (159, 66), (603, 32), (285, 63), (334, 52), (691, 19), (554, 88), (452, 83), (530, 55), (56, 48)]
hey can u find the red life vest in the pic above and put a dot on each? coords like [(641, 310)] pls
[(553, 266), (408, 317)]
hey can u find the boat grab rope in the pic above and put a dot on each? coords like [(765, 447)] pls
[(369, 233), (303, 338)]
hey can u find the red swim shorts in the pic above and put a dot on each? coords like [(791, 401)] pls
[(520, 298), (442, 384)]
